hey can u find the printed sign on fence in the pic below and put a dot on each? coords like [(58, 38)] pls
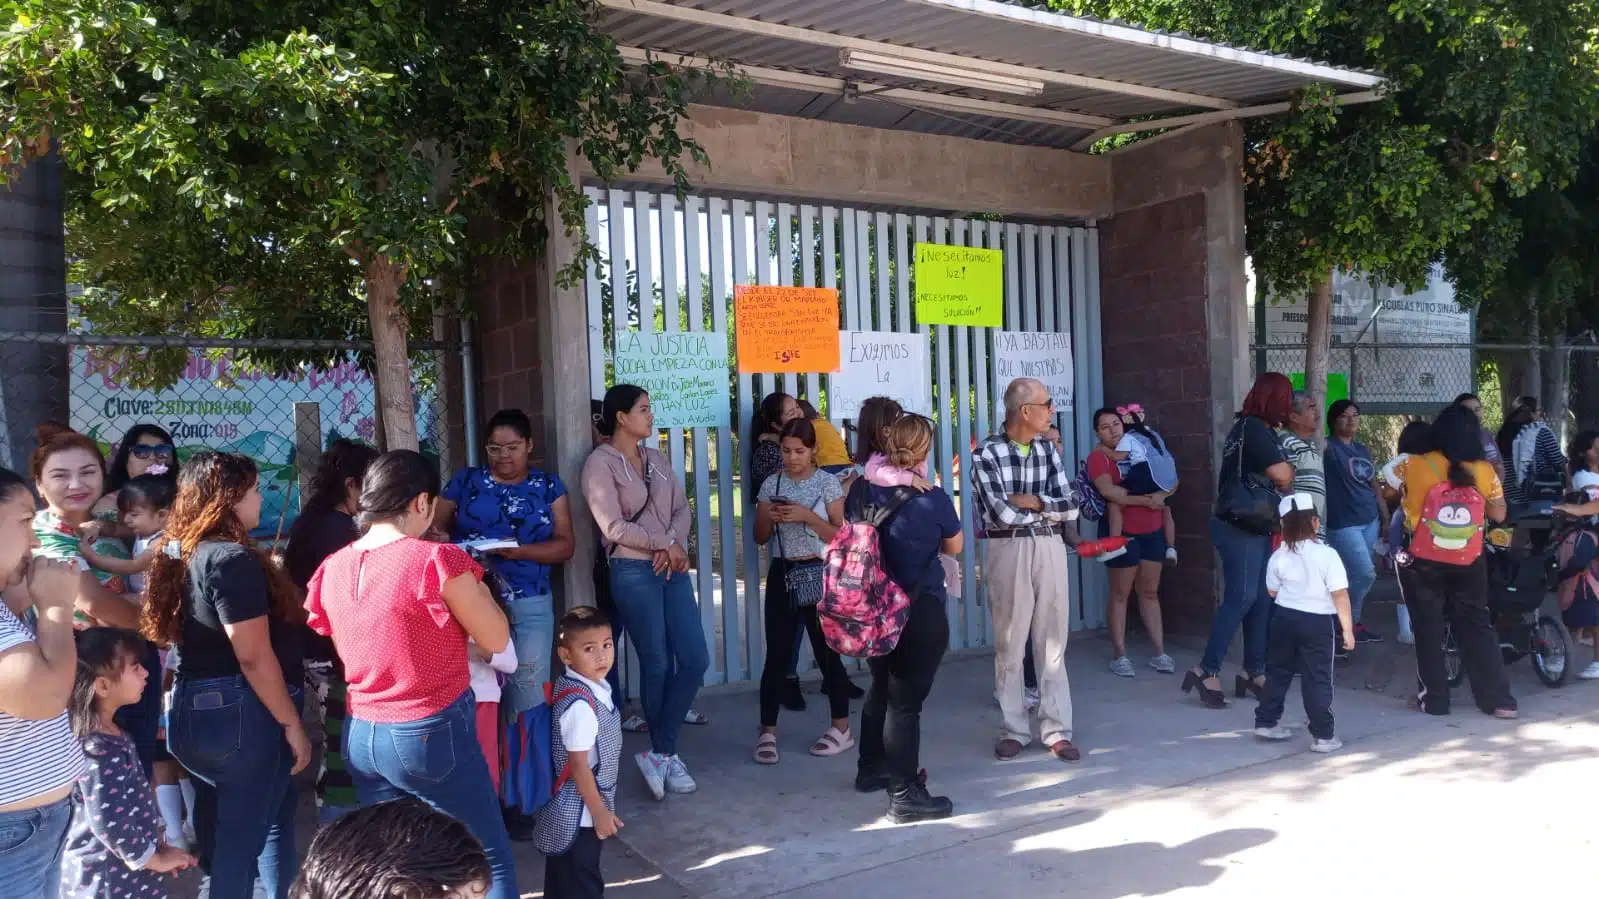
[(786, 329), (220, 404), (685, 373), (1042, 355), (881, 363), (959, 286)]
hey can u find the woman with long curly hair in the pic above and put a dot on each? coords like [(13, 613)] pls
[(235, 622)]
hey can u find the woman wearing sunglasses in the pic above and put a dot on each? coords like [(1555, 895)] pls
[(144, 447)]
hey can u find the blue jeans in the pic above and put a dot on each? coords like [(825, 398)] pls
[(30, 850), (663, 618), (533, 632), (1243, 598), (245, 801), (1354, 546), (438, 760)]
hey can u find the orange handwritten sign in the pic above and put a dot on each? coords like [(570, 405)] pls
[(786, 329)]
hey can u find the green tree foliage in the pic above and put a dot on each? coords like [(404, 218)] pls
[(307, 168), (1488, 103)]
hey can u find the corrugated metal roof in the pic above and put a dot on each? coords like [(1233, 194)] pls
[(983, 30)]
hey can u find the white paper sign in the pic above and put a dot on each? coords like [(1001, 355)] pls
[(1043, 355), (880, 363)]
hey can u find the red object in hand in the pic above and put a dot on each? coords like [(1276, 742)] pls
[(1109, 546)]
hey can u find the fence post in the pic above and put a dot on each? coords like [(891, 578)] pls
[(307, 445)]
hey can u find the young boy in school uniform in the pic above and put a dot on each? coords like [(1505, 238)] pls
[(587, 742)]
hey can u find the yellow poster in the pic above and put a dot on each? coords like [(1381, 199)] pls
[(959, 286)]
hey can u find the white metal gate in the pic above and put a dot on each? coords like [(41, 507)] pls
[(674, 268)]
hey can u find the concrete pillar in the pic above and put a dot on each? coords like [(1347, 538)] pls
[(562, 313), (33, 271)]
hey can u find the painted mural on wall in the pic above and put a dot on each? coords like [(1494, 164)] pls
[(220, 405)]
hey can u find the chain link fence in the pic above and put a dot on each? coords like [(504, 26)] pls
[(216, 400), (1399, 379)]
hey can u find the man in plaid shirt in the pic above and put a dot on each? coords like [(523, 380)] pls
[(1024, 492)]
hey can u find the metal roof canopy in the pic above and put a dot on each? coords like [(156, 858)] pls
[(969, 68)]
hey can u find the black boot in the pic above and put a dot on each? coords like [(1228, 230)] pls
[(793, 698), (912, 802)]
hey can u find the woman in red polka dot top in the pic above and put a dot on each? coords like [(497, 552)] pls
[(400, 610)]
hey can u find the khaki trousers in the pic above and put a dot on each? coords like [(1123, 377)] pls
[(1028, 591)]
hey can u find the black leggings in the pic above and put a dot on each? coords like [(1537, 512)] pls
[(1432, 591), (783, 623), (891, 719)]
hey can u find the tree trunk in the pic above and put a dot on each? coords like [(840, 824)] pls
[(393, 365), (1555, 391), (1532, 381), (1318, 341)]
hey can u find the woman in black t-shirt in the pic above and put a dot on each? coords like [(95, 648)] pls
[(326, 525), (236, 625), (1244, 554)]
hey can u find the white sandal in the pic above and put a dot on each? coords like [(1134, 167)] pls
[(635, 724), (766, 750), (832, 743)]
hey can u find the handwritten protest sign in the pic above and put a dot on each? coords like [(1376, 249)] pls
[(881, 363), (685, 374), (1042, 355), (786, 329), (959, 286)]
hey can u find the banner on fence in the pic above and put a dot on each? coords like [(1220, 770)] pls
[(685, 373), (1043, 355), (881, 363), (959, 286), (786, 329), (219, 405)]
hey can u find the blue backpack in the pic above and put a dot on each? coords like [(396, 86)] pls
[(530, 780), (1090, 504)]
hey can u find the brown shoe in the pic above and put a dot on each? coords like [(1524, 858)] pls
[(1065, 751), (1007, 749)]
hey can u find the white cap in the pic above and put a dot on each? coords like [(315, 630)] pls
[(1582, 480), (1298, 502)]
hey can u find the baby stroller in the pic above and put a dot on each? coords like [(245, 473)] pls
[(1522, 563)]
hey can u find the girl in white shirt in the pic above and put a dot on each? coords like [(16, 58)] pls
[(1307, 580), (486, 668)]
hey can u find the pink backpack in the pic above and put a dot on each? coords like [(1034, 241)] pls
[(862, 610)]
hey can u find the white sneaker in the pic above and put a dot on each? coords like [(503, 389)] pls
[(653, 767), (1122, 667), (1591, 672), (1030, 699), (1325, 746), (1407, 638), (1277, 733), (1164, 663), (677, 777)]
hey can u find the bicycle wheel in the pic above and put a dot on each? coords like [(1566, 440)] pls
[(1453, 666), (1551, 650)]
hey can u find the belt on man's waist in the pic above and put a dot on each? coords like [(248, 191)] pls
[(1037, 530)]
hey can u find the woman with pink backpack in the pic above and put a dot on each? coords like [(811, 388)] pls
[(920, 526)]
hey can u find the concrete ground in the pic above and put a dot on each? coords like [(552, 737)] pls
[(1170, 798)]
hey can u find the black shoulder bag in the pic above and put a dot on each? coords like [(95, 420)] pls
[(603, 600), (1249, 502), (803, 579)]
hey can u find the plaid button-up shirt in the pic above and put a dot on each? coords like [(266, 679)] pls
[(1000, 470)]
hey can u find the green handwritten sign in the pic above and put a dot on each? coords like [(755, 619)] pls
[(685, 374), (959, 286)]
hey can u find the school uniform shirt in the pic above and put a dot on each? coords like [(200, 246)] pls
[(404, 651), (524, 512), (36, 757), (137, 582), (580, 727), (485, 682), (115, 828), (1305, 577), (1136, 520)]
